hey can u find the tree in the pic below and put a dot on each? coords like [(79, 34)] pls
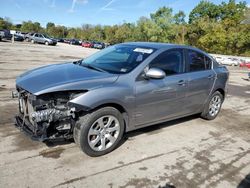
[(180, 27), (222, 28), (205, 9), (5, 23), (31, 27), (179, 18), (50, 25), (163, 19)]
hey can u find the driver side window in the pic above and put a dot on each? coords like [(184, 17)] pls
[(170, 61)]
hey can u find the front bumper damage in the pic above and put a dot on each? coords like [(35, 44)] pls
[(26, 127), (44, 120), (38, 133)]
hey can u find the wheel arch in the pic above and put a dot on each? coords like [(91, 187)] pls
[(120, 108), (115, 105), (222, 91)]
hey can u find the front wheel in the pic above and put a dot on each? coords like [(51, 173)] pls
[(99, 132), (213, 106), (46, 43)]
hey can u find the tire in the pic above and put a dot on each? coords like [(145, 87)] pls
[(213, 106), (32, 41), (27, 39), (46, 43), (93, 131)]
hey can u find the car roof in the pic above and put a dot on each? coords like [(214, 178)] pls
[(158, 45)]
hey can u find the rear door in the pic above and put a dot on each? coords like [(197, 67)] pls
[(201, 78)]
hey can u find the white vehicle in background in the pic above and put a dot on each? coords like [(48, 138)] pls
[(218, 59), (229, 61)]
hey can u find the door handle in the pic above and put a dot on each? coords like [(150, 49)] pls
[(210, 76), (182, 83)]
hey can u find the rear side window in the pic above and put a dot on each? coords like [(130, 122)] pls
[(171, 62), (196, 61), (208, 62)]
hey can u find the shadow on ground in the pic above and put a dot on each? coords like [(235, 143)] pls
[(153, 129)]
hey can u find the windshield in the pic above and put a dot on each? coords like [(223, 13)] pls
[(46, 36), (118, 59)]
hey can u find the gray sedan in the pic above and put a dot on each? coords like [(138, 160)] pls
[(119, 89)]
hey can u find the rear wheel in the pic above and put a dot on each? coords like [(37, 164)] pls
[(99, 132), (213, 106)]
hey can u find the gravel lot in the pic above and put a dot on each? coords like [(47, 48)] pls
[(189, 152)]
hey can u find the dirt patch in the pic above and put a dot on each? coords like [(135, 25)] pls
[(54, 153), (202, 168), (143, 168), (140, 182), (239, 91), (239, 125), (7, 113), (117, 167), (3, 87), (24, 143), (120, 162)]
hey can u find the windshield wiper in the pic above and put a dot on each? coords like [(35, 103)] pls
[(92, 67), (78, 62)]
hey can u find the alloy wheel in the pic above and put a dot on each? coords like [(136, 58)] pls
[(214, 105), (103, 133)]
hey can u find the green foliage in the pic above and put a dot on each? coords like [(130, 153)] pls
[(31, 27), (204, 9), (179, 18), (222, 28), (5, 23), (221, 31)]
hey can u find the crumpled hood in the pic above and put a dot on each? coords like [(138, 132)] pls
[(62, 77)]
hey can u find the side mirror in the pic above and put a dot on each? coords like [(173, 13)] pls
[(155, 73)]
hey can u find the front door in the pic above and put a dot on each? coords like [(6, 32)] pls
[(160, 99)]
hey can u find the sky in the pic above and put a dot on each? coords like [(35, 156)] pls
[(74, 13)]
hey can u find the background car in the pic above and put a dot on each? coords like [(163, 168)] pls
[(245, 63), (87, 44), (59, 39), (74, 42), (19, 33), (5, 34), (28, 36), (43, 39), (99, 45), (229, 61), (18, 38), (65, 40)]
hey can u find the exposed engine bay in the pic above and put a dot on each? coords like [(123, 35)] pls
[(48, 116)]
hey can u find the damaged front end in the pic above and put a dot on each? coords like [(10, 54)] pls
[(48, 116)]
